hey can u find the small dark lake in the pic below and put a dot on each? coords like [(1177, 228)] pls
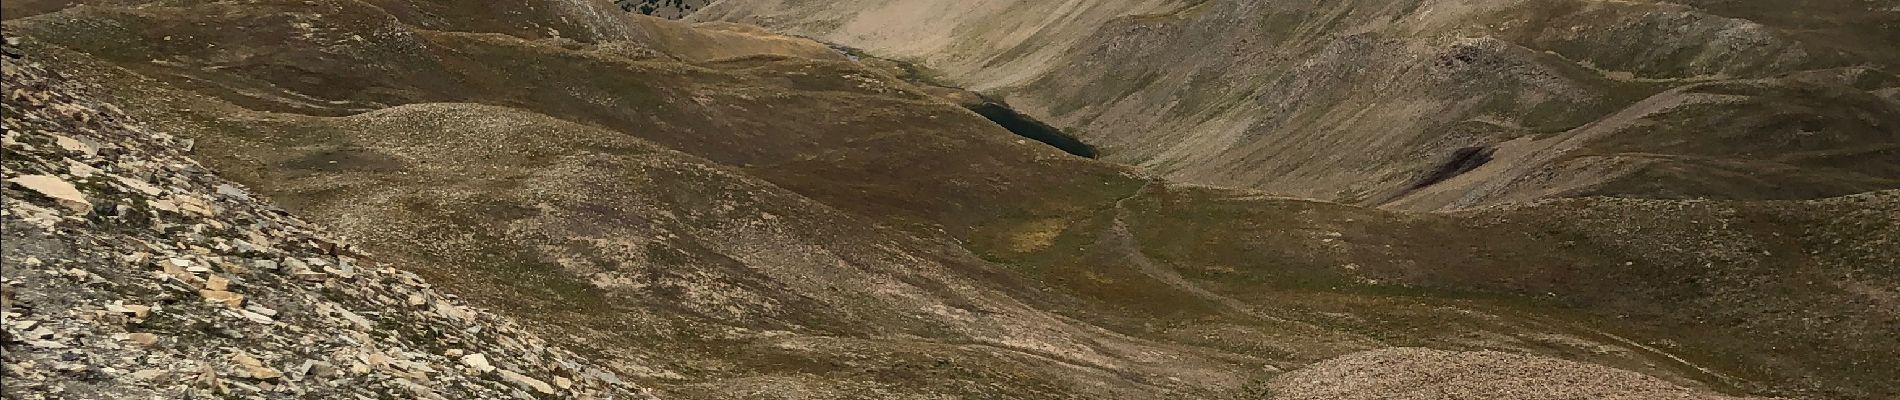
[(1028, 127)]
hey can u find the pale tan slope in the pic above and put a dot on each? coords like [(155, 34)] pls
[(1423, 374), (716, 41), (983, 44), (1359, 101)]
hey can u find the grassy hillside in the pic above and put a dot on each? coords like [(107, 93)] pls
[(719, 212)]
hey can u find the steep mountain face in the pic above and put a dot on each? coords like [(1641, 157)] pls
[(1382, 102), (715, 211)]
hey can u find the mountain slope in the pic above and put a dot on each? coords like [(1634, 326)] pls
[(133, 272), (717, 212), (1378, 102)]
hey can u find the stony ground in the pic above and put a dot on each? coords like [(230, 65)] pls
[(133, 272), (1426, 374), (662, 8)]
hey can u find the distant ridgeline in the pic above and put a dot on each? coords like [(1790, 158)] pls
[(674, 9)]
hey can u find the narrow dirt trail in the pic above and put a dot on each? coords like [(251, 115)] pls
[(1120, 239)]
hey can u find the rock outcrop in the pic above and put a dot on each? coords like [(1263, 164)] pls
[(132, 271), (671, 9)]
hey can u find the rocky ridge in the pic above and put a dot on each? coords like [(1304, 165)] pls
[(132, 271)]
